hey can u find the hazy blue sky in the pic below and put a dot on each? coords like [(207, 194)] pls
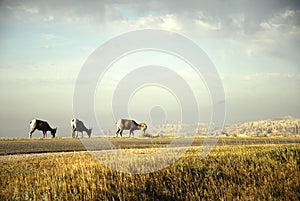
[(254, 45)]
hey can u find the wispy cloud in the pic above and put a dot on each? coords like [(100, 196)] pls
[(48, 37), (268, 76), (168, 22), (87, 49), (46, 46), (23, 8), (49, 18)]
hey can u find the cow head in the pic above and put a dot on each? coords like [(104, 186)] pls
[(53, 131), (89, 132), (143, 127)]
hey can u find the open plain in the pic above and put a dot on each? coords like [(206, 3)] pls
[(260, 168)]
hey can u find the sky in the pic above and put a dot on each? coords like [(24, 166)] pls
[(254, 45)]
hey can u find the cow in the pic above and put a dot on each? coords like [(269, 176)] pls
[(131, 125), (79, 126), (43, 126)]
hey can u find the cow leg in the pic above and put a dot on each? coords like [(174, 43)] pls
[(73, 131), (131, 133), (121, 133), (30, 133), (44, 134), (118, 132)]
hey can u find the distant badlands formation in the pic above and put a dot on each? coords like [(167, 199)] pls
[(287, 126), (271, 127)]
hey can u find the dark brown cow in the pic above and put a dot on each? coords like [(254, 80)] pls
[(131, 125)]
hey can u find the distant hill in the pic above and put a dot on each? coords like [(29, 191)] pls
[(270, 127), (285, 126)]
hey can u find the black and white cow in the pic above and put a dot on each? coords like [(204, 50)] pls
[(79, 126), (131, 125), (40, 125)]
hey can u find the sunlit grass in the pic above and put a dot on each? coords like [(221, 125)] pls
[(265, 172)]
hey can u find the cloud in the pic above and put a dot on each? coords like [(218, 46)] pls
[(278, 36), (46, 46), (32, 10), (48, 37), (232, 15), (168, 22), (258, 28), (23, 8), (87, 49), (49, 18), (31, 73), (271, 76), (205, 26)]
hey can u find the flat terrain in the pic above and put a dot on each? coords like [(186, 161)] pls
[(236, 169), (26, 146)]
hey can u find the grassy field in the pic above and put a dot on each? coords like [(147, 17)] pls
[(234, 170)]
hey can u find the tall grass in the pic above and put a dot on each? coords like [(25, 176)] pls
[(228, 173)]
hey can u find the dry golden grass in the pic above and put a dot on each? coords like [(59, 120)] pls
[(265, 172)]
